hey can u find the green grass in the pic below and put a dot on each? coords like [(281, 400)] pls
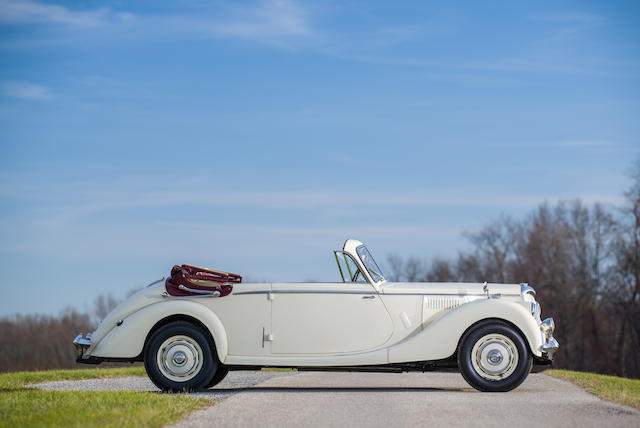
[(618, 389), (21, 406)]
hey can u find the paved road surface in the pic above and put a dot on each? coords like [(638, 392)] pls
[(310, 399)]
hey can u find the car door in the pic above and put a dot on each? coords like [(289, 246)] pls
[(246, 315), (327, 318)]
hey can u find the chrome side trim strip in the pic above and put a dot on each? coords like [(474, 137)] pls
[(199, 296), (212, 293), (446, 294), (306, 292), (360, 292)]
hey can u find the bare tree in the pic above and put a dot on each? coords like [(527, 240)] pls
[(411, 270), (441, 270), (103, 304), (623, 291), (37, 342)]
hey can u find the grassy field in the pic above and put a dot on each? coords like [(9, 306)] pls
[(20, 406), (617, 389)]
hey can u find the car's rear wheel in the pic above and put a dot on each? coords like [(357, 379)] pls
[(179, 357), (494, 357)]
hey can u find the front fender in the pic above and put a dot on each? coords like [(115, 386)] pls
[(128, 339), (440, 339)]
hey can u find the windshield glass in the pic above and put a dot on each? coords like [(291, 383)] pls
[(369, 263), (348, 268)]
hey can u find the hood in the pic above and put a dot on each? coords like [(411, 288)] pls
[(456, 288)]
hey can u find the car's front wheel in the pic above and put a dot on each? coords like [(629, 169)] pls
[(494, 357), (179, 357)]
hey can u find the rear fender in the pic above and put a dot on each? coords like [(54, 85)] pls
[(128, 339), (440, 339)]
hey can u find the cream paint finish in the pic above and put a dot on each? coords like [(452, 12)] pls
[(378, 356), (323, 324), (244, 318), (328, 318), (351, 325), (235, 322), (440, 339), (140, 300), (127, 340), (402, 309)]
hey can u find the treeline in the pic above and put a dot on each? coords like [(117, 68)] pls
[(584, 263), (43, 342), (40, 342)]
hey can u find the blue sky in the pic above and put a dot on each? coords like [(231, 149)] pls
[(257, 136)]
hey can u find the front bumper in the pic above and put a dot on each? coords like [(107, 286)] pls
[(549, 344)]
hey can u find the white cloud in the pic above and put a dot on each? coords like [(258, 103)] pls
[(26, 91), (272, 20), (26, 12), (276, 22)]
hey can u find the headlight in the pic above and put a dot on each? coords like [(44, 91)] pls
[(528, 293)]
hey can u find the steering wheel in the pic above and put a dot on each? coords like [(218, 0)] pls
[(355, 276)]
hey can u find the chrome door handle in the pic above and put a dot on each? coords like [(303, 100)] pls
[(369, 297)]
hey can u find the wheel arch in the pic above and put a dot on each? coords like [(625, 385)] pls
[(440, 339), (131, 336), (175, 318), (485, 321)]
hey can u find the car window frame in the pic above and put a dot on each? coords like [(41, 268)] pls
[(380, 274), (355, 262)]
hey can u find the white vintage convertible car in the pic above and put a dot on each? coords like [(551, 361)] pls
[(190, 336)]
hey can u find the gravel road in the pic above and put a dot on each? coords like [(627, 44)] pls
[(232, 384), (249, 399)]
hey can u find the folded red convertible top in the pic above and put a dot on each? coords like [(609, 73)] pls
[(187, 280)]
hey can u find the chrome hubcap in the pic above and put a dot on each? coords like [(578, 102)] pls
[(494, 357), (180, 358)]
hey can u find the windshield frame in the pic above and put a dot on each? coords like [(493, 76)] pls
[(358, 275), (375, 273)]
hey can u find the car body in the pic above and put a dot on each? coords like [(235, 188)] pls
[(492, 333)]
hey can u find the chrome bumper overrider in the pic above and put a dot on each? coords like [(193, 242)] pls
[(549, 344), (81, 345)]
